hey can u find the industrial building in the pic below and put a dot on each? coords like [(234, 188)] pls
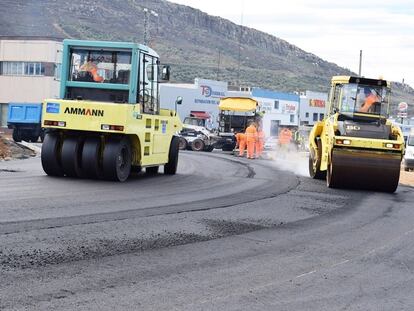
[(29, 70), (203, 95), (312, 107), (280, 109)]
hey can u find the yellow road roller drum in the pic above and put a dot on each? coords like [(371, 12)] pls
[(356, 146)]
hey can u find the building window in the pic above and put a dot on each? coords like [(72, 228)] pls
[(58, 68), (307, 115), (315, 117), (22, 69), (276, 105), (321, 116), (292, 118)]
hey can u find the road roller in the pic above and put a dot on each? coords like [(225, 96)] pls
[(107, 121), (356, 145)]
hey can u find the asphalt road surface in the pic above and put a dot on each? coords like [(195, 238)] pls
[(223, 234)]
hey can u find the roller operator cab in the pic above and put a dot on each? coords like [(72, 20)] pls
[(108, 120), (356, 146)]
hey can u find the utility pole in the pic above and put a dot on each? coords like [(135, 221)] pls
[(360, 63)]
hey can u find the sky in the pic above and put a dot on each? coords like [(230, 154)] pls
[(333, 30)]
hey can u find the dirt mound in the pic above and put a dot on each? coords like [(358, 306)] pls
[(10, 150)]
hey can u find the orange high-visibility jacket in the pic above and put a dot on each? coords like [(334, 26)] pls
[(369, 101), (240, 137), (251, 133), (285, 136)]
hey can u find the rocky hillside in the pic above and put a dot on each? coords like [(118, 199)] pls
[(188, 39)]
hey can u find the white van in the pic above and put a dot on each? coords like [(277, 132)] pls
[(408, 162)]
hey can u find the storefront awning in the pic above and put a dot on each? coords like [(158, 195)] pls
[(200, 114), (241, 104)]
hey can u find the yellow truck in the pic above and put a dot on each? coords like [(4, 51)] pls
[(356, 146), (235, 114), (108, 120)]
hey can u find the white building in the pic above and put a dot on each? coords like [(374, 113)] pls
[(203, 95), (312, 107), (280, 110), (29, 70)]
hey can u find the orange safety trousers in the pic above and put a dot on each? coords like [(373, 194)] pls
[(241, 141), (251, 135), (242, 147), (259, 143)]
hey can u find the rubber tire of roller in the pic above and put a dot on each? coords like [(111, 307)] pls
[(331, 178), (171, 167), (316, 174), (71, 157), (50, 156), (91, 162), (117, 159)]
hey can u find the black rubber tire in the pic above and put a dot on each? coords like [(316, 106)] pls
[(171, 167), (332, 180), (136, 169), (228, 148), (91, 162), (152, 170), (34, 138), (17, 136), (50, 156), (117, 159), (183, 145), (209, 148), (316, 173), (197, 145), (71, 156)]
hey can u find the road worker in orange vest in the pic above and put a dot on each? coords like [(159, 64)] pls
[(260, 142), (241, 142), (285, 137), (251, 136)]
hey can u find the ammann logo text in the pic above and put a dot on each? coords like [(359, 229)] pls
[(84, 112)]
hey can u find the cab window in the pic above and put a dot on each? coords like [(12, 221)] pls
[(100, 66)]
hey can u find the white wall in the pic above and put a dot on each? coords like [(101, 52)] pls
[(20, 88), (306, 108), (27, 89), (30, 50), (203, 95), (286, 109)]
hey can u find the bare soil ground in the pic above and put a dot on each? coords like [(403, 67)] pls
[(10, 150)]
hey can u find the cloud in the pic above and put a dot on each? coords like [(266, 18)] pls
[(333, 30)]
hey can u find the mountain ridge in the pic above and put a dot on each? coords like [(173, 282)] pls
[(194, 43)]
